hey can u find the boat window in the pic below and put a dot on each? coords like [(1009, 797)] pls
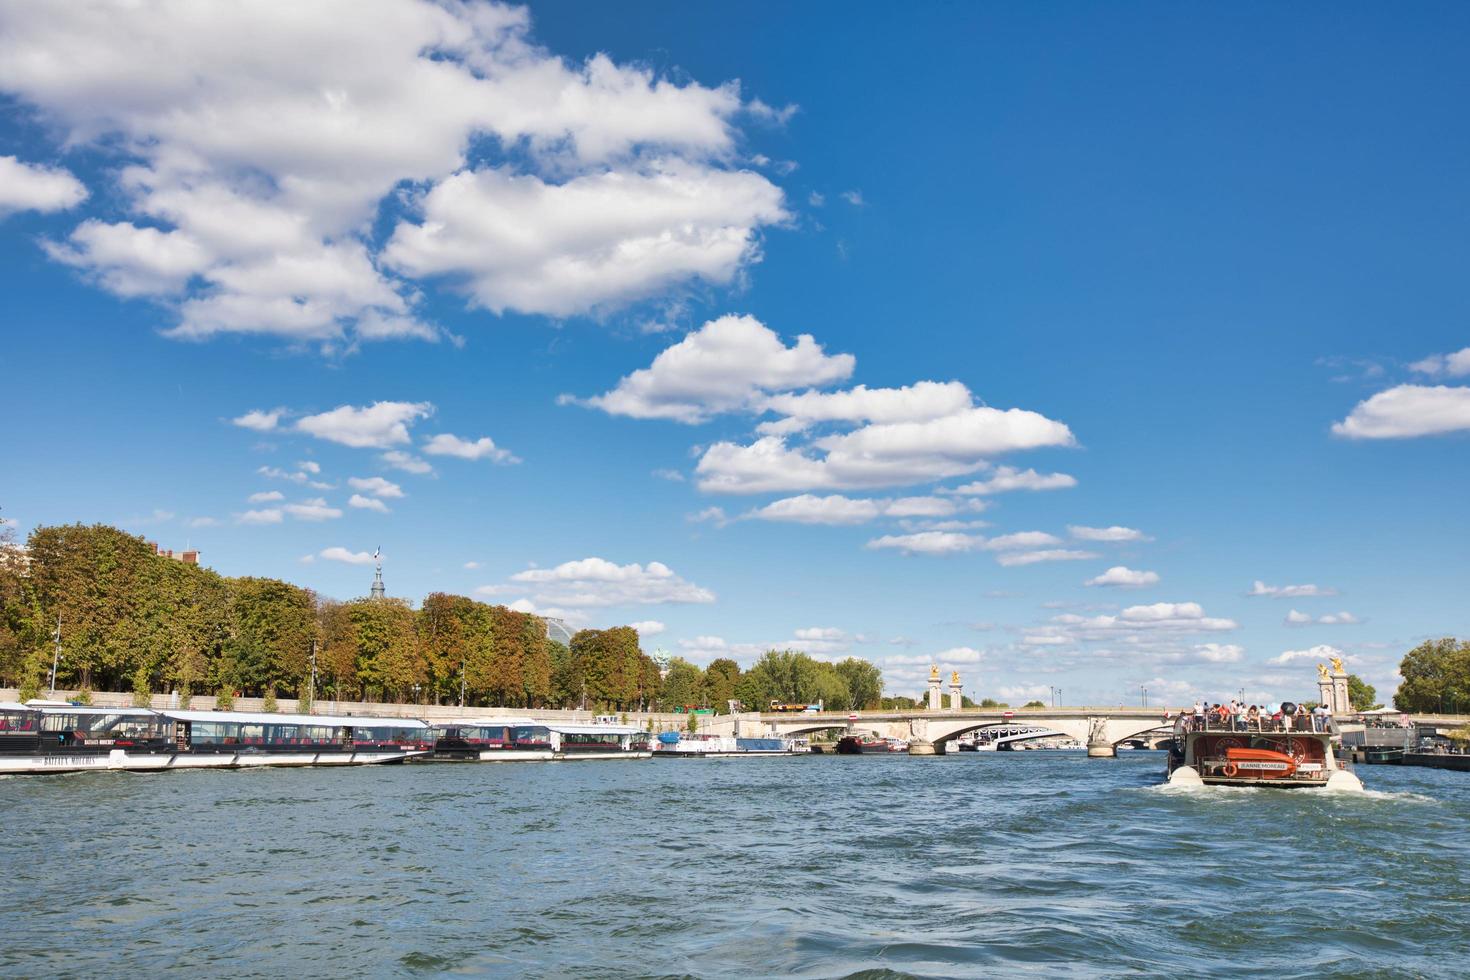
[(588, 738), (531, 735), (20, 721)]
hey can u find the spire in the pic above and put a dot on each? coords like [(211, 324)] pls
[(378, 590)]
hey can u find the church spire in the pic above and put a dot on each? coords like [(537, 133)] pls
[(378, 590)]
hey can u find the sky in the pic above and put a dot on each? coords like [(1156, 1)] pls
[(1100, 353)]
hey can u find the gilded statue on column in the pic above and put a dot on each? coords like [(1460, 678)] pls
[(1322, 674), (1336, 665)]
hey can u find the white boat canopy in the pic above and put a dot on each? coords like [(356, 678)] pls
[(269, 718), (589, 729)]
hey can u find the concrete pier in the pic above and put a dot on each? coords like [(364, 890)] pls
[(922, 746)]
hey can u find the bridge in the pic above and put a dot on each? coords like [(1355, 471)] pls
[(930, 732)]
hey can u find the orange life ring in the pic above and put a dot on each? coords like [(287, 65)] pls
[(1231, 770)]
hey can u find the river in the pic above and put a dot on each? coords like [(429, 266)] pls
[(960, 865)]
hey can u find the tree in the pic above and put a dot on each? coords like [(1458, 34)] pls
[(864, 682), (1436, 677), (388, 659), (992, 703), (720, 678), (683, 686), (1362, 695), (1038, 704)]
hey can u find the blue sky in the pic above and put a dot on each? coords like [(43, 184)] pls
[(1204, 266)]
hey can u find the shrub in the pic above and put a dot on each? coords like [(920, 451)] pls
[(225, 700), (269, 705), (142, 690)]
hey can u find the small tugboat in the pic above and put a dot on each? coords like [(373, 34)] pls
[(677, 745), (1291, 753)]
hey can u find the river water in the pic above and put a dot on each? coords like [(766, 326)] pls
[(961, 865)]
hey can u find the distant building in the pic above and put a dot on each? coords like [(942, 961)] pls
[(189, 556), (378, 591), (557, 630)]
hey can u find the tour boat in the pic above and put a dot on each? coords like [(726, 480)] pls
[(491, 740), (1294, 753), (677, 745), (591, 741), (77, 738)]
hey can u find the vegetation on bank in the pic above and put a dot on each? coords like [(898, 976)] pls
[(133, 620), (1436, 677)]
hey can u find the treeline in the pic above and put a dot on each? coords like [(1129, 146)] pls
[(1436, 678), (133, 620), (788, 676)]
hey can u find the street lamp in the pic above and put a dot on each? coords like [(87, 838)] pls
[(55, 656)]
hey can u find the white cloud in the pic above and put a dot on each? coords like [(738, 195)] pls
[(596, 241), (1320, 653), (471, 565), (1158, 617), (367, 503), (376, 426), (131, 261), (648, 627), (918, 402), (1219, 653), (269, 145), (959, 655), (1123, 577), (713, 515), (315, 509), (1455, 365), (1108, 534), (1012, 558), (1008, 478), (836, 509), (1260, 588), (1021, 539), (445, 444), (1044, 640), (1408, 411), (673, 476), (725, 365), (855, 198), (408, 463), (307, 466), (203, 522), (821, 633), (266, 496), (259, 420), (928, 542), (343, 555), (1295, 618), (34, 187), (598, 582), (376, 485), (269, 515)]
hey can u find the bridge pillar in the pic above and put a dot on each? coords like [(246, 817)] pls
[(934, 696), (1098, 744), (919, 743)]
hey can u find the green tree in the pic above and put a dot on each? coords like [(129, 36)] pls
[(864, 682), (683, 686), (1436, 677), (389, 664), (720, 679), (142, 688), (1362, 695), (1038, 704), (992, 703)]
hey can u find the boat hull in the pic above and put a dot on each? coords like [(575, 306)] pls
[(119, 760)]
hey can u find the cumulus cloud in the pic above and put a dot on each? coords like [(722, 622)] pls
[(261, 149), (1012, 558), (1219, 653), (407, 462), (266, 496), (1261, 589), (269, 515), (1295, 618), (837, 509), (1106, 534), (648, 627), (928, 542), (445, 444), (315, 509), (34, 187), (1320, 653), (1408, 411), (598, 582), (1135, 623), (598, 240), (259, 420), (375, 485), (1021, 539), (367, 503), (1456, 365), (344, 555), (376, 426), (1123, 577), (728, 364), (1008, 478)]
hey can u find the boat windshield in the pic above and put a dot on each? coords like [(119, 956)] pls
[(531, 735), (244, 733)]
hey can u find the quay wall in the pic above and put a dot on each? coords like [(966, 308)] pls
[(427, 712)]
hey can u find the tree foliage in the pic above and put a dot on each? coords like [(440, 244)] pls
[(1362, 695), (1436, 677)]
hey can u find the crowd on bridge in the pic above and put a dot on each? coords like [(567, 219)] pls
[(1237, 716)]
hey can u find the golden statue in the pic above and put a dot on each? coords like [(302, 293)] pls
[(1336, 665), (954, 678), (1322, 672), (934, 674)]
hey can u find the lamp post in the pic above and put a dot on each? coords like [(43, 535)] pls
[(311, 684), (1143, 693), (461, 681), (55, 655)]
